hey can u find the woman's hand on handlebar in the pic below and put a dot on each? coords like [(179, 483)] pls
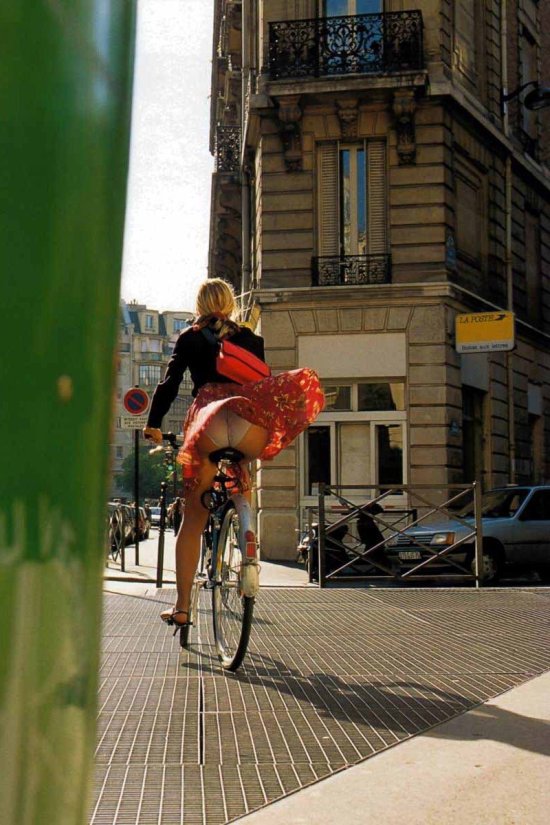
[(153, 434)]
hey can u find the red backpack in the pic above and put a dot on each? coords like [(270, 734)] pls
[(236, 363)]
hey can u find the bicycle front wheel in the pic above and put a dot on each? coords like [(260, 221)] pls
[(232, 612)]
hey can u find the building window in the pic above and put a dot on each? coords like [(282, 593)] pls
[(149, 322), (473, 434), (528, 71), (337, 8), (358, 440), (536, 448), (180, 406), (469, 43), (533, 277), (119, 453), (352, 201), (149, 376), (471, 223), (179, 324)]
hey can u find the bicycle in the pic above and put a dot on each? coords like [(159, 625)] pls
[(229, 563)]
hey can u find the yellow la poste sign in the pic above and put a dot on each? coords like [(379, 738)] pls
[(485, 332)]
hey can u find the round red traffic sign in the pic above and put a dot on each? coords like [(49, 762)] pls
[(136, 401)]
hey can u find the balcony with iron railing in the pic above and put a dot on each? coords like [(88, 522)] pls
[(149, 355), (351, 270), (228, 148), (364, 44)]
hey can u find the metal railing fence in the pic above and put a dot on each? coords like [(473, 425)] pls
[(412, 556)]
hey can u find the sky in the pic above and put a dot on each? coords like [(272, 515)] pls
[(167, 217)]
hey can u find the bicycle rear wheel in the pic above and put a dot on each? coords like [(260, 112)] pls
[(232, 612)]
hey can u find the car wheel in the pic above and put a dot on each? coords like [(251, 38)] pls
[(490, 566)]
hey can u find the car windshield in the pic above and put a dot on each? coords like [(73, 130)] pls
[(155, 511), (497, 504)]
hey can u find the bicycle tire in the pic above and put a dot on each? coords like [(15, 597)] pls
[(231, 611)]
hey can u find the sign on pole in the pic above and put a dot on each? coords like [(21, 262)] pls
[(136, 401), (485, 332), (133, 422)]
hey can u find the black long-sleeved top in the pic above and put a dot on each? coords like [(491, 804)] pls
[(193, 352)]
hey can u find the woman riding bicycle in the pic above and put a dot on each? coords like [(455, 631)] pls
[(257, 419)]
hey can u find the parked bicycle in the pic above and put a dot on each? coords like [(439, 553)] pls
[(229, 563)]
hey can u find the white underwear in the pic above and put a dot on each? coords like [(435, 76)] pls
[(227, 429)]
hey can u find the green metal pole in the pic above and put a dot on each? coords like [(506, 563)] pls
[(65, 87)]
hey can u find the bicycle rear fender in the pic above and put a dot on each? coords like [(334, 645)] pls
[(250, 581)]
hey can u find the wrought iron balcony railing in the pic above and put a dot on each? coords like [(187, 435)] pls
[(354, 44), (338, 270), (228, 148)]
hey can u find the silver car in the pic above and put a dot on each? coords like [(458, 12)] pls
[(155, 516), (516, 534)]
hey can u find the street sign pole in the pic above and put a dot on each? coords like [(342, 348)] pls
[(136, 491), (136, 402)]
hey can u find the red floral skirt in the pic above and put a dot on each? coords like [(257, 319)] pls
[(283, 404)]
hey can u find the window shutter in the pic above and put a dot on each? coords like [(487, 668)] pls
[(328, 210), (377, 198)]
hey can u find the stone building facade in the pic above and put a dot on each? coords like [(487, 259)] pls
[(145, 342), (370, 185)]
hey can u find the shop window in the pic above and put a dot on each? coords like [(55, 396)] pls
[(338, 398), (358, 440), (318, 458), (389, 453), (386, 396)]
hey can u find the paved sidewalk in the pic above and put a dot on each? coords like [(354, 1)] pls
[(272, 574), (489, 766), (332, 678)]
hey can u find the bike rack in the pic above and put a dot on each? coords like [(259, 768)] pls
[(159, 579), (391, 530)]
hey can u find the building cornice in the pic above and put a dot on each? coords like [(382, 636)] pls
[(377, 293), (384, 295)]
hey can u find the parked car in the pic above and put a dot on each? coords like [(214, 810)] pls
[(129, 519), (516, 535), (155, 516)]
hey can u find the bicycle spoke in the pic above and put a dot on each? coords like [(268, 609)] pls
[(232, 611)]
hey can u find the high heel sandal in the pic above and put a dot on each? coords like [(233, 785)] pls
[(168, 618)]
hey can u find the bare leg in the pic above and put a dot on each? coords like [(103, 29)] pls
[(195, 515), (188, 540)]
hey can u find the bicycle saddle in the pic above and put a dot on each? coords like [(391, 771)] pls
[(226, 454)]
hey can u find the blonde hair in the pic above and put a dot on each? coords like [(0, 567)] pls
[(216, 296)]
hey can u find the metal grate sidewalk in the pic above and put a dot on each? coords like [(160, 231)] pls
[(331, 678)]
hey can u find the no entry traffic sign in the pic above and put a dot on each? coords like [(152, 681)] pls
[(136, 401)]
